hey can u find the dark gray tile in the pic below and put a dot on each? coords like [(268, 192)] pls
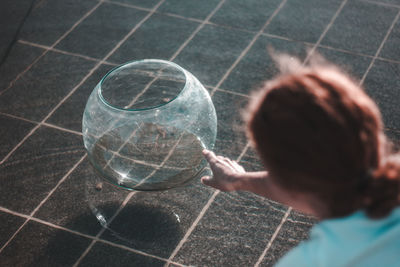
[(249, 15), (12, 15), (360, 27), (40, 245), (102, 30), (391, 48), (159, 37), (20, 57), (36, 167), (139, 3), (302, 218), (189, 8), (394, 137), (155, 222), (251, 162), (44, 85), (303, 20), (49, 20), (12, 131), (352, 64), (8, 225), (393, 2), (211, 52), (69, 114), (106, 255), (233, 232), (382, 84), (290, 235), (231, 137), (258, 66), (70, 205)]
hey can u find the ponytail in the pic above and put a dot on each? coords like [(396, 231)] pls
[(382, 194)]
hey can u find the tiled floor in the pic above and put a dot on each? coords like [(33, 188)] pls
[(66, 46)]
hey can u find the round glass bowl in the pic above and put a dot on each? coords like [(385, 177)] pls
[(145, 125)]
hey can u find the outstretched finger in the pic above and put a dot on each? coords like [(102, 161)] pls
[(210, 156), (207, 180)]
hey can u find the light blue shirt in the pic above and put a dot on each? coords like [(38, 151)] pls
[(355, 240)]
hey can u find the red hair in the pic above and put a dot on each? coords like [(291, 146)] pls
[(318, 132)]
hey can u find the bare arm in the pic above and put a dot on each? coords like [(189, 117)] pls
[(228, 175)]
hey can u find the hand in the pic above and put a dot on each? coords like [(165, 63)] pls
[(226, 172)]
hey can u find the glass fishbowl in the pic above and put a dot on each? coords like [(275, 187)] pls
[(144, 128), (145, 125)]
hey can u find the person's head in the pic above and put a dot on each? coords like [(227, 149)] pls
[(317, 132)]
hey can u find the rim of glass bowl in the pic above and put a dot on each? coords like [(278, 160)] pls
[(139, 62)]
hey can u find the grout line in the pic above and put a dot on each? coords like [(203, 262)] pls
[(380, 3), (194, 224), (5, 210), (299, 222), (61, 128), (103, 229), (141, 162), (44, 123), (285, 38), (81, 82), (211, 200), (115, 64), (244, 151), (58, 185), (18, 118), (325, 31), (388, 60), (231, 92), (32, 131), (54, 44), (18, 230), (344, 51), (244, 52), (136, 251), (128, 5), (52, 225), (392, 129), (380, 47), (29, 217), (105, 58), (13, 236), (331, 48), (74, 89), (64, 52), (277, 230), (213, 24), (157, 12), (180, 17), (172, 58), (284, 218), (20, 143)]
